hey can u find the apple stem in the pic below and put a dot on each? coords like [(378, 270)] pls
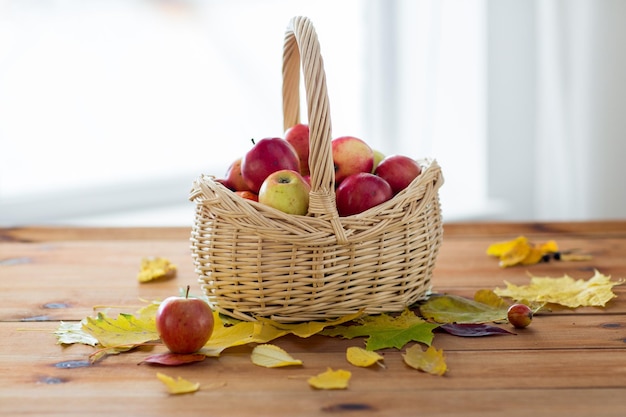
[(253, 142), (187, 292)]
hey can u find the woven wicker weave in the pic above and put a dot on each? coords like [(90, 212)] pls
[(254, 261)]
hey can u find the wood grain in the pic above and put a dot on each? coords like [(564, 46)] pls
[(568, 362)]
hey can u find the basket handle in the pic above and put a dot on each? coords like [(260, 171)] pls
[(302, 46)]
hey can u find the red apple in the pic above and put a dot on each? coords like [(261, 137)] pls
[(520, 315), (398, 171), (298, 137), (350, 156), (248, 195), (184, 324), (266, 156), (234, 179), (286, 190), (360, 192)]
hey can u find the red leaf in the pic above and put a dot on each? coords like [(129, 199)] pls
[(173, 359), (473, 330)]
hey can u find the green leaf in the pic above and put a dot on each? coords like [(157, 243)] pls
[(456, 309), (384, 331)]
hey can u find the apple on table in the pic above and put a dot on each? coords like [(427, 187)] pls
[(184, 324)]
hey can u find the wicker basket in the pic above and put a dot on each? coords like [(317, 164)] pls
[(255, 261)]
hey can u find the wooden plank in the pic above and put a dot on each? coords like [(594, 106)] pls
[(232, 385)]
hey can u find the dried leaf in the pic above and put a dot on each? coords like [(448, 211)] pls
[(473, 330), (309, 328), (262, 331), (70, 333), (596, 291), (331, 379), (361, 357), (385, 331), (520, 251), (490, 298), (178, 385), (272, 356), (124, 332), (174, 359), (155, 268), (456, 309), (431, 360)]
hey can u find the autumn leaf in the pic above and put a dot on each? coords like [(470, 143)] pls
[(173, 359), (330, 379), (473, 329), (596, 291), (72, 332), (178, 385), (520, 251), (490, 298), (119, 334), (155, 269), (385, 331), (309, 328), (431, 360), (272, 356), (261, 331), (361, 357), (456, 309)]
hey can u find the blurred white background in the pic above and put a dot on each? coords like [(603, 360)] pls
[(109, 109)]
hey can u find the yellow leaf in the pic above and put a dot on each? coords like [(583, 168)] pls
[(566, 291), (309, 328), (361, 357), (272, 356), (520, 251), (224, 336), (431, 360), (125, 330), (331, 379), (490, 298), (155, 268), (178, 385)]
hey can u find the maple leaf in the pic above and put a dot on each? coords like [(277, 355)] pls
[(178, 385), (596, 291), (456, 309), (520, 251), (155, 269), (385, 331), (272, 356), (431, 360), (69, 333), (121, 333), (261, 331), (331, 379), (361, 357)]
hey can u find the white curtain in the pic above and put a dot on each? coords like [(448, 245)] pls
[(581, 109)]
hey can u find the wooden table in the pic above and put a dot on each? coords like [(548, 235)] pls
[(566, 363)]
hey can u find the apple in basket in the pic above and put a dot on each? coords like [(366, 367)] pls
[(286, 190), (233, 178), (266, 156), (184, 324), (351, 155), (378, 156), (360, 192), (399, 171), (298, 136)]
